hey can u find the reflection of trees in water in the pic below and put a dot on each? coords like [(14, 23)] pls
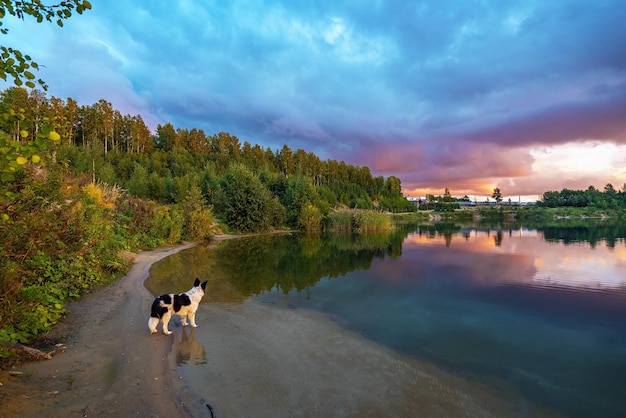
[(566, 232), (610, 233), (239, 268), (295, 262)]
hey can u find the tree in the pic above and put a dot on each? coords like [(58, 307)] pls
[(497, 194), (141, 136), (393, 185), (13, 63), (104, 126), (298, 195), (249, 206), (286, 161), (166, 137), (610, 190)]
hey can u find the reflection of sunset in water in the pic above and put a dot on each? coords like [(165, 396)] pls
[(523, 257), (536, 316)]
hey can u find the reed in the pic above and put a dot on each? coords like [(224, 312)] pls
[(358, 220)]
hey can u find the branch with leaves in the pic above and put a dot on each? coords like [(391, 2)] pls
[(16, 153)]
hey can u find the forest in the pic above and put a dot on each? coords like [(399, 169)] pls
[(83, 184)]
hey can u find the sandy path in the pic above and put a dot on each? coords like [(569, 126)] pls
[(112, 365)]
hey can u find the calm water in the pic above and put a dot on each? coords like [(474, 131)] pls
[(535, 318)]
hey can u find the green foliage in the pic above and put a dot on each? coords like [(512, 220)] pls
[(396, 203), (138, 183), (592, 197), (339, 221), (310, 219), (299, 194), (198, 217), (249, 206), (57, 244), (18, 153)]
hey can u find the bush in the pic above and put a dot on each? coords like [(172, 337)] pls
[(310, 219), (248, 204)]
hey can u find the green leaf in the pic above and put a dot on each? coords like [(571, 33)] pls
[(7, 177)]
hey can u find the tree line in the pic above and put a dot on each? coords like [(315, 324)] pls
[(609, 198), (234, 178)]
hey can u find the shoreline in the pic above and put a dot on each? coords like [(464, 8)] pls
[(111, 364)]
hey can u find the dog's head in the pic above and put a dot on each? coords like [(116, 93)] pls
[(197, 283)]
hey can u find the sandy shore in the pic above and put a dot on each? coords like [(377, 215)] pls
[(112, 365)]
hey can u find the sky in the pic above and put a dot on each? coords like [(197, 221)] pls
[(527, 96)]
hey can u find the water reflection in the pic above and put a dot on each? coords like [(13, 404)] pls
[(528, 257), (553, 257), (239, 268), (188, 350), (537, 311)]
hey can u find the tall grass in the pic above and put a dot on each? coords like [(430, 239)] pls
[(358, 220)]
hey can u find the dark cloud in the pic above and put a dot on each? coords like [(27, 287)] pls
[(435, 92)]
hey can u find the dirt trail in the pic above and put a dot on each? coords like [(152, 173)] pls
[(112, 365)]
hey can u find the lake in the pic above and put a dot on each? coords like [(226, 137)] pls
[(430, 320)]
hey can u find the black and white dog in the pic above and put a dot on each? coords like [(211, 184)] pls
[(183, 304)]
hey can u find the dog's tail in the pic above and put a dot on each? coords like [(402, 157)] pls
[(156, 313), (152, 324)]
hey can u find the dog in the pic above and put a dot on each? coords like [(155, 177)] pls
[(183, 304)]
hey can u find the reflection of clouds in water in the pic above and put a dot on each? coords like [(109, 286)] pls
[(188, 349), (581, 268), (520, 257)]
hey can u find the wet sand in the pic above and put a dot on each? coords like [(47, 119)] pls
[(111, 366), (265, 360)]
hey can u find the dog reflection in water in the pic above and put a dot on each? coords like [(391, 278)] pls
[(188, 349)]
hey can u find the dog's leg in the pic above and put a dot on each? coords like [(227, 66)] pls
[(166, 320), (183, 320), (192, 319)]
